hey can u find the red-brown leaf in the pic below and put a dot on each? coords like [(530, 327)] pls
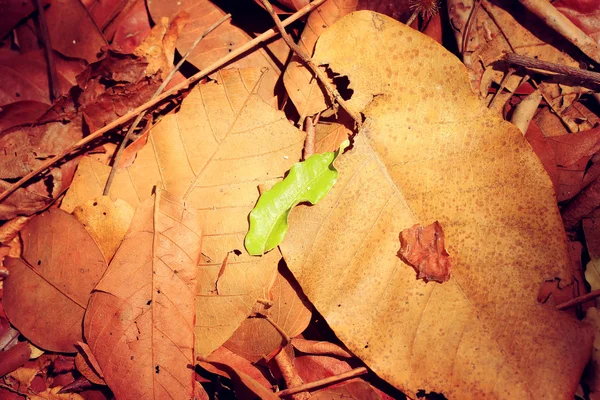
[(423, 248)]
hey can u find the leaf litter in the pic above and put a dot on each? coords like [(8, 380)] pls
[(171, 302)]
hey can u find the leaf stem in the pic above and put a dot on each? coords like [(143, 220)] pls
[(183, 85), (333, 93), (45, 33), (160, 89)]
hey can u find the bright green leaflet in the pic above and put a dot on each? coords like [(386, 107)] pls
[(309, 181)]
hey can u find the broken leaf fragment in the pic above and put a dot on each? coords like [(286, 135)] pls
[(309, 181), (422, 247)]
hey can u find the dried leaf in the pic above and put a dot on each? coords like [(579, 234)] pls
[(225, 356), (131, 28), (352, 390), (11, 228), (79, 40), (48, 289), (13, 11), (87, 365), (140, 320), (25, 76), (257, 338), (423, 249), (14, 358), (53, 394), (228, 36), (227, 141), (107, 221), (307, 181), (442, 157)]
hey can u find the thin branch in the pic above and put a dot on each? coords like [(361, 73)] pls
[(579, 300), (284, 335), (45, 33), (470, 22), (503, 83), (563, 25), (547, 66), (162, 86), (324, 382), (331, 90), (119, 121), (290, 374)]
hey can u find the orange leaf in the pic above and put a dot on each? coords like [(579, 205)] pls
[(48, 289), (423, 249), (140, 320)]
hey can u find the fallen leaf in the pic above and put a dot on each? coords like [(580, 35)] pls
[(13, 11), (230, 35), (48, 289), (25, 76), (10, 229), (21, 113), (423, 249), (352, 390), (225, 356), (441, 157), (257, 338), (103, 12), (14, 358), (320, 347), (139, 323), (227, 142), (303, 89), (53, 394), (245, 386), (583, 13), (107, 221), (132, 27), (82, 39), (307, 181)]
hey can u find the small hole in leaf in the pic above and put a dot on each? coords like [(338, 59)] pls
[(157, 369), (39, 262), (104, 213), (158, 291), (149, 302), (95, 204)]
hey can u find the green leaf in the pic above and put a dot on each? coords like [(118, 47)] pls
[(309, 181)]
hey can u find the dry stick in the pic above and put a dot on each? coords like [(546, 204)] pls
[(529, 62), (579, 300), (470, 23), (505, 79), (412, 17), (290, 375), (211, 68), (52, 75), (162, 86), (332, 91), (561, 24), (324, 382)]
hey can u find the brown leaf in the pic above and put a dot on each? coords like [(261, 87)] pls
[(48, 289), (131, 27), (11, 228), (87, 365), (245, 386), (257, 338), (25, 76), (139, 323), (13, 11), (21, 113), (352, 390), (227, 142), (14, 358), (429, 151), (228, 36), (423, 249), (320, 347), (72, 31), (107, 221), (225, 356)]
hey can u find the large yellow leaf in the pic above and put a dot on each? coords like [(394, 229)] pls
[(214, 152), (429, 152)]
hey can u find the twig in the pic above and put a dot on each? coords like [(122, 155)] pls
[(290, 375), (554, 110), (412, 17), (309, 141), (579, 300), (470, 23), (324, 382), (211, 68), (52, 75), (529, 62), (561, 24), (284, 335), (332, 91), (162, 86)]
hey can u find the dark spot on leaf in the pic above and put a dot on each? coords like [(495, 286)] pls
[(158, 291), (132, 358), (149, 302), (18, 94), (157, 369), (39, 262), (237, 252), (95, 203), (339, 305), (104, 213)]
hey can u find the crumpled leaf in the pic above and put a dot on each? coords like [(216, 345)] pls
[(442, 157), (308, 181), (48, 289), (139, 323), (228, 141), (423, 249), (257, 338)]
